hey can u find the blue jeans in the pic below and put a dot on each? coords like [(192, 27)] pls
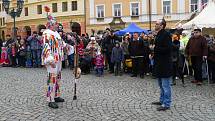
[(165, 91), (71, 60), (36, 54), (99, 71)]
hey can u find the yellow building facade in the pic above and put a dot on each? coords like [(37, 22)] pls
[(117, 14), (2, 21), (70, 13)]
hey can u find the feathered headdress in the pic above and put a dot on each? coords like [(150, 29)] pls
[(51, 20)]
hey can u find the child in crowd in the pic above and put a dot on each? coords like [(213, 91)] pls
[(151, 64), (28, 57), (70, 53), (117, 57), (13, 54), (22, 53), (99, 63), (4, 57), (151, 59)]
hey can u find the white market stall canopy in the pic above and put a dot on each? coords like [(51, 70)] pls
[(206, 18)]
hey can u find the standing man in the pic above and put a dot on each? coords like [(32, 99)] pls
[(163, 64), (108, 46), (197, 49), (137, 52), (35, 46)]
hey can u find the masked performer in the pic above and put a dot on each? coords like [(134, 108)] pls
[(52, 56)]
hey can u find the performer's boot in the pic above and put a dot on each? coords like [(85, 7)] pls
[(53, 105), (59, 99)]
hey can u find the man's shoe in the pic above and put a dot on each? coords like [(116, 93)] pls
[(141, 76), (58, 99), (133, 75), (173, 83), (53, 105), (162, 108), (156, 103), (194, 81), (199, 83)]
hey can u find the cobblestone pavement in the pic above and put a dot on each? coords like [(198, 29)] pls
[(108, 98)]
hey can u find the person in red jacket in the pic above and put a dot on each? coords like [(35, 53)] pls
[(197, 49)]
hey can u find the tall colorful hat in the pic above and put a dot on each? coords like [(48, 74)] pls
[(51, 20)]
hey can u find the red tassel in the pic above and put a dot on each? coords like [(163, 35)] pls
[(47, 9)]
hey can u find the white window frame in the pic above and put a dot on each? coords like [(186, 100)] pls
[(198, 1), (131, 8), (113, 12), (170, 7), (97, 10)]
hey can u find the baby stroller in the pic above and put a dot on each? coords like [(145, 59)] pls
[(127, 65), (85, 64)]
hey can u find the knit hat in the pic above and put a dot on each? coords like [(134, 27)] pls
[(117, 42), (199, 30)]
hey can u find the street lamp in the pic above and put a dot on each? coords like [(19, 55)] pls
[(150, 16), (13, 13)]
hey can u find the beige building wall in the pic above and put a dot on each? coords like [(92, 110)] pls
[(3, 18), (174, 6), (34, 20), (159, 7), (187, 7), (177, 14)]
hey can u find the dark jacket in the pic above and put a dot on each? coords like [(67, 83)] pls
[(1, 43), (34, 43), (109, 43), (136, 48), (211, 54), (117, 55), (124, 46), (162, 55), (197, 47), (175, 50)]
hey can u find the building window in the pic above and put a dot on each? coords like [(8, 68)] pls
[(194, 5), (166, 7), (39, 9), (54, 7), (3, 21), (0, 7), (135, 9), (26, 11), (117, 10), (100, 11), (74, 5), (64, 6)]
